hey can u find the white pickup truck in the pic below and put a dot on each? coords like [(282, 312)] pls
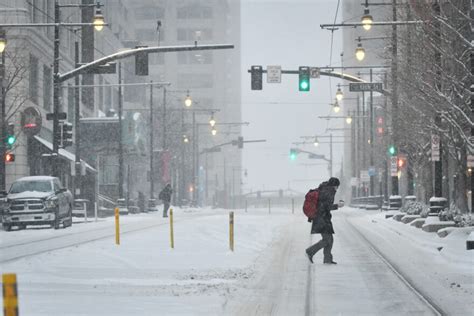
[(37, 200)]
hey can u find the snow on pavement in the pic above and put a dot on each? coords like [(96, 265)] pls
[(267, 272)]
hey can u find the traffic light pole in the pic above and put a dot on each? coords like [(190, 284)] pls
[(120, 114), (77, 116), (3, 128), (371, 126), (152, 171), (394, 95)]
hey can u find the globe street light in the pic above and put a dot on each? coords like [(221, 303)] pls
[(360, 51), (349, 120), (316, 142), (213, 131), (367, 19), (188, 101), (212, 121), (185, 139), (99, 20), (336, 107), (339, 94)]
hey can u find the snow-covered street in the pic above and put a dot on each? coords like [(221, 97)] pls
[(266, 274)]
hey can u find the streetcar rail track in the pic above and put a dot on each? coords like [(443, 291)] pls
[(400, 275), (126, 229)]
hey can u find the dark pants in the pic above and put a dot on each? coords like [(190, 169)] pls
[(325, 243), (166, 206)]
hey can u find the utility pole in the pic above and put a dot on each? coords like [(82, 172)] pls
[(472, 102), (120, 114), (164, 153), (152, 171), (77, 115), (394, 95), (56, 88), (371, 126)]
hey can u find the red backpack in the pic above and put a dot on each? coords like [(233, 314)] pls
[(310, 205)]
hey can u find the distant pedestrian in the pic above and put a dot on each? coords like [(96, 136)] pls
[(322, 224), (165, 196)]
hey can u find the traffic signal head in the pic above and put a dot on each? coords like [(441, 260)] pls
[(240, 142), (303, 82), (66, 135), (392, 150), (256, 77), (293, 153), (10, 138), (401, 163), (9, 157), (141, 63)]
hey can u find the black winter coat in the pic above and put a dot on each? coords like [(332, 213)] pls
[(322, 222), (165, 194)]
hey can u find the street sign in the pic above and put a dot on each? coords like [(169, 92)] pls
[(273, 74), (435, 140), (470, 161), (364, 176), (314, 72), (372, 171), (61, 116), (365, 86), (393, 166)]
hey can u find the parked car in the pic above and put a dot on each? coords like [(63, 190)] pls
[(38, 200)]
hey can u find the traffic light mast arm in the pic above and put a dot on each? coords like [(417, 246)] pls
[(131, 52)]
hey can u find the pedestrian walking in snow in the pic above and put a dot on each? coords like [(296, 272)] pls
[(165, 196), (321, 223)]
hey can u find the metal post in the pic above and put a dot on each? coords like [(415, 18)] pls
[(56, 91), (364, 140), (77, 115), (120, 113), (194, 160), (330, 155), (394, 94), (152, 171), (472, 105), (182, 189), (358, 151), (371, 126), (3, 123), (197, 168), (438, 166), (164, 149)]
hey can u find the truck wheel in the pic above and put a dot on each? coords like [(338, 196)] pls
[(7, 227), (68, 222), (57, 221)]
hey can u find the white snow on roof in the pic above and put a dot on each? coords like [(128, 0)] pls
[(437, 199), (63, 152)]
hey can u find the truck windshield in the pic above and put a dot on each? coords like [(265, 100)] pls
[(24, 186)]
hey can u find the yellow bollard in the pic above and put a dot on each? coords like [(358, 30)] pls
[(171, 229), (231, 231), (117, 227), (10, 295)]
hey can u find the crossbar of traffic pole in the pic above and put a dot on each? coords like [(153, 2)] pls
[(134, 51), (388, 23)]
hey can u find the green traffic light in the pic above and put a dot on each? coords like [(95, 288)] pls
[(391, 150), (304, 85), (11, 139), (293, 156)]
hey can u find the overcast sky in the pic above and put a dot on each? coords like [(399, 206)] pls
[(287, 33)]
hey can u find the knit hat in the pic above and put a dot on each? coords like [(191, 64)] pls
[(333, 182)]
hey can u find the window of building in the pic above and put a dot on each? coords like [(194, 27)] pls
[(195, 58), (156, 59), (193, 34), (194, 11), (149, 35), (145, 13), (47, 80), (33, 82), (195, 81)]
